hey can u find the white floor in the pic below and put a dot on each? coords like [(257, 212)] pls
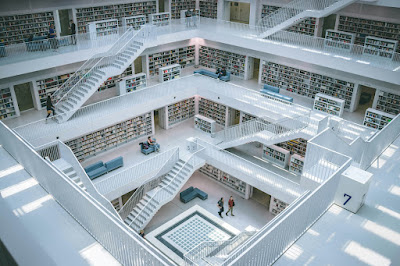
[(248, 213)]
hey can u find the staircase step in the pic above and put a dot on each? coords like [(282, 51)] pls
[(120, 62), (116, 66), (165, 183), (68, 103)]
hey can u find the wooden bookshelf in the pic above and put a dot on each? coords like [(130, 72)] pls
[(178, 5), (377, 119), (306, 26), (102, 28), (297, 146), (296, 164), (110, 137), (276, 206), (363, 28), (204, 124), (181, 111), (183, 56), (135, 22), (169, 72), (339, 40), (213, 110), (276, 155), (90, 14), (16, 28), (388, 102), (160, 19), (49, 85), (379, 47), (208, 8), (306, 83), (7, 109), (216, 58), (232, 183), (328, 104), (112, 81), (132, 83)]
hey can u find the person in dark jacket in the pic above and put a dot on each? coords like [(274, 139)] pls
[(49, 107), (72, 27), (222, 72), (220, 206)]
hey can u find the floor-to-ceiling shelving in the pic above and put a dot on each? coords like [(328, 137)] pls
[(216, 58), (183, 56), (306, 83), (135, 22), (297, 146), (17, 28), (178, 5), (208, 8), (388, 102), (6, 104), (181, 111), (276, 155), (102, 28), (213, 110), (377, 119)]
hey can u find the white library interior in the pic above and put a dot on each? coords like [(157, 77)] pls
[(200, 132)]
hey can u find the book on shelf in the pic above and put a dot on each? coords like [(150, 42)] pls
[(213, 110), (7, 108), (339, 40), (388, 102), (276, 206), (181, 111), (296, 164), (184, 56), (328, 104), (276, 155), (204, 124), (169, 72), (208, 8), (377, 119)]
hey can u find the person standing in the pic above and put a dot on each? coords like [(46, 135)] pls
[(49, 107), (52, 37), (231, 203), (194, 18), (188, 17), (72, 28), (220, 205)]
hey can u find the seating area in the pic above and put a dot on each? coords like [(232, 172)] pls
[(274, 92), (99, 168), (213, 75), (147, 149), (191, 193)]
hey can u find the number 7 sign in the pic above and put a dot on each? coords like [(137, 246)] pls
[(345, 195)]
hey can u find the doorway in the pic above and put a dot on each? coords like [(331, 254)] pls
[(233, 116), (23, 92), (240, 12), (366, 98), (64, 22), (137, 64), (256, 68), (261, 197)]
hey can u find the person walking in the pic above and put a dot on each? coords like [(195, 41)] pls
[(231, 203), (49, 107), (72, 28), (220, 205)]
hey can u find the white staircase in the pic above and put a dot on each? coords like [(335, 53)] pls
[(69, 171), (88, 78), (258, 131), (296, 11), (153, 200)]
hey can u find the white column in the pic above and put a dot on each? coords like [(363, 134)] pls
[(253, 13), (57, 25), (14, 99)]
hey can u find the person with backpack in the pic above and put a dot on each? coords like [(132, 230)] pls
[(231, 203), (220, 205), (49, 107)]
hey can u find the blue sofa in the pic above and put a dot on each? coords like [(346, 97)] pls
[(274, 92), (191, 193), (213, 75), (99, 168), (147, 149)]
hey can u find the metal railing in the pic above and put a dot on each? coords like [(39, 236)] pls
[(50, 150), (105, 229), (149, 184), (134, 176), (161, 194), (213, 248)]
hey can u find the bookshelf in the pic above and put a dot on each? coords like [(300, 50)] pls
[(339, 40), (276, 206), (367, 27), (246, 117), (112, 81), (306, 83), (388, 102), (49, 85), (306, 26), (379, 47), (6, 104), (183, 56), (296, 164), (169, 72), (204, 124), (297, 146), (377, 119), (213, 110), (16, 28), (208, 8), (216, 58), (132, 83), (136, 22), (328, 104), (276, 155), (232, 183), (178, 5), (90, 14), (181, 111), (102, 28), (160, 19), (110, 137)]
